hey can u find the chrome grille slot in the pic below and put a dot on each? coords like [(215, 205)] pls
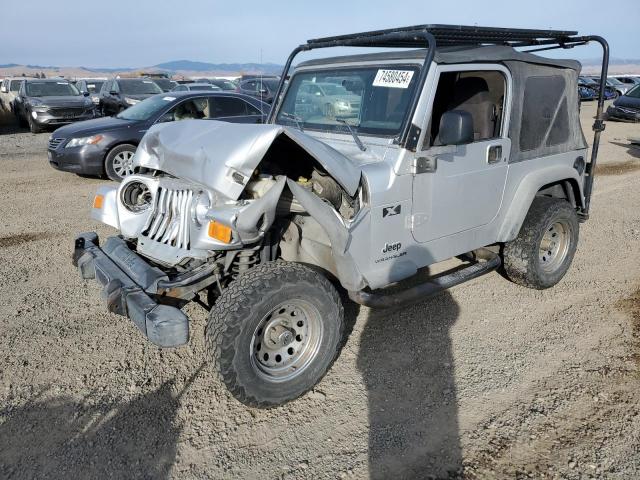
[(169, 221), (55, 142)]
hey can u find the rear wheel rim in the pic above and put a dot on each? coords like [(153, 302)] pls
[(286, 340), (554, 246), (123, 163)]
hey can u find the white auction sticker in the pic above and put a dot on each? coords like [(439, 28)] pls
[(393, 78), (168, 99)]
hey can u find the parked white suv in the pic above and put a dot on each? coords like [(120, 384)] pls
[(8, 91)]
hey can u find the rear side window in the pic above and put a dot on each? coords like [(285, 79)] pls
[(231, 107), (544, 113), (15, 85)]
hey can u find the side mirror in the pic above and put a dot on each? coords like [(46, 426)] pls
[(86, 94), (3, 89), (113, 92), (456, 128)]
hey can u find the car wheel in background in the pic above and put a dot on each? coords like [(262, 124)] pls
[(119, 162)]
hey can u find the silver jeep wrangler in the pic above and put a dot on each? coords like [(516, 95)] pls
[(370, 168)]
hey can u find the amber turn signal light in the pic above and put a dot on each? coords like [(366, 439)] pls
[(97, 201), (220, 232)]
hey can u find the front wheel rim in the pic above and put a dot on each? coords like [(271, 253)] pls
[(286, 340), (123, 163), (554, 246)]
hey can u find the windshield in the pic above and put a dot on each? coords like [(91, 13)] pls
[(94, 87), (272, 85), (372, 100), (587, 80), (224, 84), (146, 108), (614, 81), (139, 87), (51, 89), (164, 83), (634, 92)]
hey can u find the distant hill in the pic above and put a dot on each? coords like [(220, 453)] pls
[(195, 69), (191, 66)]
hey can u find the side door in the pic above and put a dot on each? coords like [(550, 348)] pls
[(460, 187)]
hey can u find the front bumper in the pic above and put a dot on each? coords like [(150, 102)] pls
[(87, 159), (46, 118), (128, 287), (627, 114)]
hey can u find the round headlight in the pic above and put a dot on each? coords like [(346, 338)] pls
[(135, 196), (202, 202)]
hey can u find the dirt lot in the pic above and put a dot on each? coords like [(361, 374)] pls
[(489, 380)]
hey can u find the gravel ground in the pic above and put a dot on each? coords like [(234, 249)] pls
[(488, 380)]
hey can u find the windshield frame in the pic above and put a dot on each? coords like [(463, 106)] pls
[(335, 69)]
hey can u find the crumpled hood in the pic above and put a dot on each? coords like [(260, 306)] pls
[(222, 156)]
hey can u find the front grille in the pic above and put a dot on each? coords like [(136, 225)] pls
[(169, 222), (55, 142), (68, 112)]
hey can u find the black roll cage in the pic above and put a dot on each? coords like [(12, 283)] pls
[(419, 36)]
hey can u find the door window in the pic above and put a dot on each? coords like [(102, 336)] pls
[(230, 107), (481, 93)]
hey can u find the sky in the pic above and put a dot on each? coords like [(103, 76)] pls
[(137, 33)]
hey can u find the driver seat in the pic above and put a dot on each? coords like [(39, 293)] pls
[(471, 94)]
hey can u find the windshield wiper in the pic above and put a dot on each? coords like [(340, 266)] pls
[(353, 134), (295, 118)]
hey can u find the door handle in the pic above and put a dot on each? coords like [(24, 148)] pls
[(494, 154)]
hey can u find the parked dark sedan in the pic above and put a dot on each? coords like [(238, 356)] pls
[(626, 107), (106, 145), (41, 103), (264, 89), (120, 93)]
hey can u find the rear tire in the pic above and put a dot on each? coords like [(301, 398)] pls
[(274, 332), (541, 254), (117, 163)]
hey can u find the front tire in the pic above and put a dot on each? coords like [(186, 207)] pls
[(274, 332), (541, 254), (33, 126), (119, 162)]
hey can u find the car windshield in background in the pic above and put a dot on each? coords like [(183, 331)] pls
[(147, 108), (51, 89), (371, 100), (164, 83), (271, 84), (94, 87), (224, 84), (614, 81), (634, 92), (139, 87)]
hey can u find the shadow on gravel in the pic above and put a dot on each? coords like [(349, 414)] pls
[(94, 438), (633, 149), (408, 369)]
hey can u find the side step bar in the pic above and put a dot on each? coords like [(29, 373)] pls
[(431, 286)]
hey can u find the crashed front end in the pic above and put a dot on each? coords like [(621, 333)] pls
[(208, 201)]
